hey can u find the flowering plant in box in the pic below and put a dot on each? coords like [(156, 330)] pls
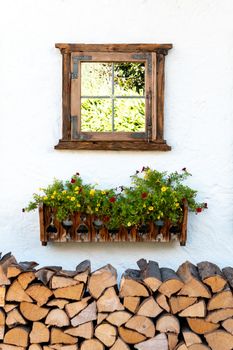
[(152, 196)]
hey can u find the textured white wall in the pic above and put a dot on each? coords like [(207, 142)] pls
[(198, 122)]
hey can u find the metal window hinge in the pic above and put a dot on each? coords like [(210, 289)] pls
[(76, 60)]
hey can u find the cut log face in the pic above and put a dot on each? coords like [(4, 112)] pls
[(73, 292), (59, 337), (26, 278), (60, 303), (17, 336), (219, 340), (212, 276), (118, 318), (159, 342), (180, 303), (168, 323), (14, 318), (61, 282), (44, 275), (101, 279), (2, 295), (5, 262), (150, 272), (228, 325), (120, 345), (201, 326), (149, 308), (196, 310), (181, 346), (109, 301), (106, 333), (39, 293), (86, 315), (131, 286), (129, 336), (131, 303), (73, 309), (85, 330), (199, 347), (101, 316), (219, 315), (190, 337), (162, 302), (17, 293), (35, 347), (172, 340), (2, 324), (221, 300), (39, 333), (58, 318), (142, 325), (171, 282), (92, 344), (33, 312)]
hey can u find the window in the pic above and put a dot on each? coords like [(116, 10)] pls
[(113, 96)]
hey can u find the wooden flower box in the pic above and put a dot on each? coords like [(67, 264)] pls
[(83, 228)]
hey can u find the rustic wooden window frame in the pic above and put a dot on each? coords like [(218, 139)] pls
[(153, 55)]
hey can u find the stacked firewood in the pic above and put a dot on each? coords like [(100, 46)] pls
[(154, 309)]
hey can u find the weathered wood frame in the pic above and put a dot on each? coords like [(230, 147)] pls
[(153, 55)]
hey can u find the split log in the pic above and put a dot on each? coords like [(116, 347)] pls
[(92, 344), (44, 275), (73, 309), (181, 346), (180, 303), (193, 287), (131, 303), (142, 325), (86, 315), (212, 276), (39, 293), (196, 310), (101, 279), (7, 260), (64, 347), (172, 340), (201, 326), (149, 307), (118, 318), (171, 282), (162, 302), (221, 300), (61, 282), (83, 271), (26, 278), (101, 316), (17, 293), (58, 318), (9, 307), (35, 347), (109, 301), (33, 312), (168, 323), (129, 336), (120, 345), (150, 273), (85, 330), (159, 342), (59, 337), (14, 318), (39, 333), (228, 273), (219, 340), (2, 295), (17, 336), (228, 325), (131, 286), (199, 347), (219, 315), (190, 337), (60, 303), (106, 333), (11, 347), (2, 324), (73, 292)]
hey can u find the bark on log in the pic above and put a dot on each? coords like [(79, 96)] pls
[(131, 286), (171, 282), (5, 262), (150, 273), (228, 273), (212, 276)]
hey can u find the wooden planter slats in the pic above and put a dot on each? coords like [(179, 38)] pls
[(83, 230)]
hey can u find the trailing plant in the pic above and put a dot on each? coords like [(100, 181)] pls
[(152, 196)]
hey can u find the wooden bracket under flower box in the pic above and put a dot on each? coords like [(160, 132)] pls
[(85, 228)]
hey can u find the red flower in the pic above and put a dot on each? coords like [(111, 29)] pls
[(112, 199), (144, 195), (198, 210), (73, 180), (106, 218)]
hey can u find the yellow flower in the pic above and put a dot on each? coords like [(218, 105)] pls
[(92, 192), (52, 196), (103, 192), (129, 224), (151, 208), (68, 197), (78, 205), (55, 192), (144, 205), (96, 209), (98, 204), (177, 205), (72, 199), (76, 188), (45, 198), (158, 217), (164, 189), (64, 191)]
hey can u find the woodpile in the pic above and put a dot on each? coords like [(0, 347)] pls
[(153, 309)]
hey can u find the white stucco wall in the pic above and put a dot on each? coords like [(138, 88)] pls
[(198, 120)]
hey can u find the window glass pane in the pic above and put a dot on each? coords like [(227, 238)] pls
[(96, 114), (96, 79), (129, 79), (129, 114)]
